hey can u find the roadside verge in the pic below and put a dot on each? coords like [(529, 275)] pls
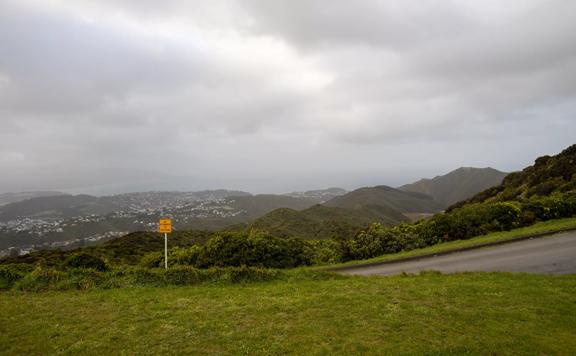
[(547, 228)]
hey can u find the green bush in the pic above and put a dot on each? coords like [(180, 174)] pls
[(82, 278), (184, 275), (377, 240), (470, 221), (555, 206), (152, 260), (324, 251), (41, 279), (10, 274), (45, 279), (185, 256), (257, 249), (84, 260)]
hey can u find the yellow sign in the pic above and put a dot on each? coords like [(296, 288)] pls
[(165, 226)]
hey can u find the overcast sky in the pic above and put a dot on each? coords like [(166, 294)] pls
[(274, 96)]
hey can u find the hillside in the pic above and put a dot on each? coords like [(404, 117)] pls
[(7, 198), (62, 206), (71, 221), (258, 205), (67, 206), (344, 215), (322, 222), (127, 249), (319, 196), (457, 185), (547, 175), (385, 197)]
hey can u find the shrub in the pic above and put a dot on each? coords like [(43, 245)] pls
[(470, 221), (10, 274), (152, 260), (555, 206), (377, 240), (84, 260), (324, 251), (256, 249), (185, 256), (82, 278), (145, 276), (184, 275), (41, 279)]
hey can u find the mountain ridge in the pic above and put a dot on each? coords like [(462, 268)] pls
[(457, 185)]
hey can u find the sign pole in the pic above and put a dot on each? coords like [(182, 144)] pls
[(165, 250), (165, 226)]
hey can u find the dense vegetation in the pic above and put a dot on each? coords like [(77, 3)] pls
[(126, 250)]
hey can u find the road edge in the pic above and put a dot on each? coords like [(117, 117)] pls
[(447, 252)]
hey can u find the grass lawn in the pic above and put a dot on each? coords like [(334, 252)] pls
[(478, 313), (550, 226)]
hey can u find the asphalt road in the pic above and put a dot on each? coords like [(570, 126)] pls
[(548, 255)]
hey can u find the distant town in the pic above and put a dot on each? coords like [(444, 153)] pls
[(141, 216)]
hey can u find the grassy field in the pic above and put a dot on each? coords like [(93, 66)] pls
[(550, 226), (478, 313)]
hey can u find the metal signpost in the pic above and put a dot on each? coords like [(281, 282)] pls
[(165, 227)]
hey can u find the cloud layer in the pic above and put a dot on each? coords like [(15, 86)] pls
[(277, 96)]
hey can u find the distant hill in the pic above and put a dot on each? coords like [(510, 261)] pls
[(62, 206), (345, 215), (258, 205), (385, 197), (457, 185), (51, 222), (321, 222), (319, 196), (7, 198), (547, 175), (66, 206)]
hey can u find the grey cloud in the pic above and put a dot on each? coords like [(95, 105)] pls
[(393, 24), (263, 95), (57, 64), (439, 63)]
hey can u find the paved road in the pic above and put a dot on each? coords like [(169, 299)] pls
[(549, 255)]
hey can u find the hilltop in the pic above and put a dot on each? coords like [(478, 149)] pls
[(457, 185)]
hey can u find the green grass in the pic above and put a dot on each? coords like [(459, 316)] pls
[(477, 313), (550, 226)]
